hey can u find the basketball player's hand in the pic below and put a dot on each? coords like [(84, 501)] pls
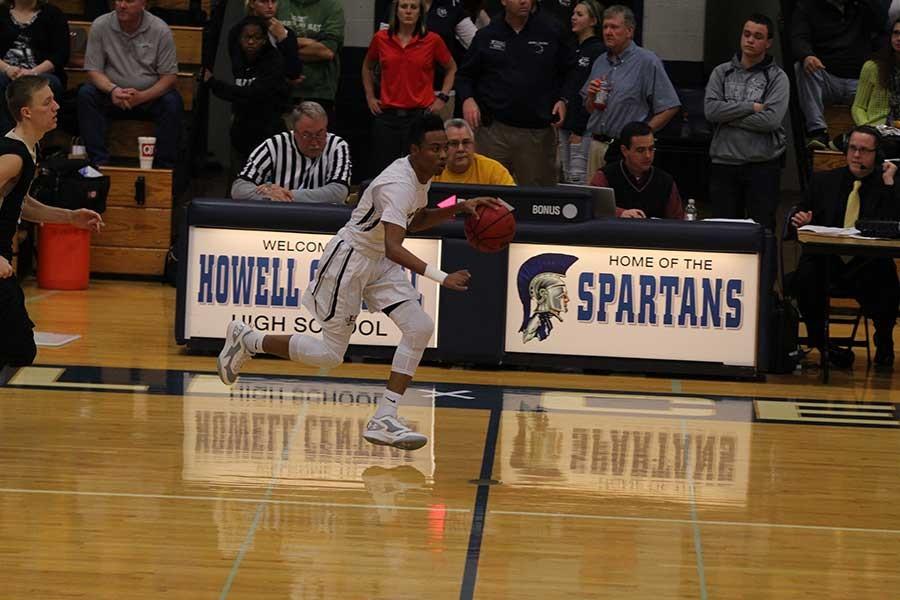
[(458, 280), (469, 207), (84, 218), (633, 213), (471, 113), (6, 269), (801, 218)]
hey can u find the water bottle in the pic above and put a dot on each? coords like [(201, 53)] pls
[(602, 95), (690, 211)]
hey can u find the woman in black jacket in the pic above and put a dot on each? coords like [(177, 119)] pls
[(279, 36), (574, 146), (259, 92), (34, 40)]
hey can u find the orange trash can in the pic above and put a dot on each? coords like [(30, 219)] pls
[(64, 257)]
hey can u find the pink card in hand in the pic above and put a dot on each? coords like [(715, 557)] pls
[(449, 201)]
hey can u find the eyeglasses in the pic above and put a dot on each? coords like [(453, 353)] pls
[(252, 38), (859, 150), (318, 135), (461, 143)]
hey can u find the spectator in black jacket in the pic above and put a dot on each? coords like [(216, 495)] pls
[(574, 146), (830, 40), (34, 40), (279, 36), (514, 84), (259, 93)]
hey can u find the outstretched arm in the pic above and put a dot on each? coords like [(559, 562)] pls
[(432, 217), (394, 250), (38, 212)]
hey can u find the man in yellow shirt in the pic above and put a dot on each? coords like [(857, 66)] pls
[(464, 165)]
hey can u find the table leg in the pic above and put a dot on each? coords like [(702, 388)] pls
[(826, 342)]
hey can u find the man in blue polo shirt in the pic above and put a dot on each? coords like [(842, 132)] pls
[(639, 88)]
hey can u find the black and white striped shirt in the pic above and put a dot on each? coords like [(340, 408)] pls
[(278, 160)]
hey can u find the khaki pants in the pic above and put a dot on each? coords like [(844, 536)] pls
[(529, 154), (597, 157)]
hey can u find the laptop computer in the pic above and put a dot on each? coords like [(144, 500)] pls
[(604, 199)]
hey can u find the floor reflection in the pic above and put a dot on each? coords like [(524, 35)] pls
[(630, 445)]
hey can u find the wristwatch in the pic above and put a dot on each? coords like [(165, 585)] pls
[(442, 96)]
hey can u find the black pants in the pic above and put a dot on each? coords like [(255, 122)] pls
[(749, 190), (390, 137), (17, 347), (873, 282)]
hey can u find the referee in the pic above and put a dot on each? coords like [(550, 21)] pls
[(306, 164)]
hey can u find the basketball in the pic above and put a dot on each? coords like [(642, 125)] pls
[(493, 230)]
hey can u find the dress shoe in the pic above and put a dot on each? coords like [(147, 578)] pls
[(840, 358), (884, 359)]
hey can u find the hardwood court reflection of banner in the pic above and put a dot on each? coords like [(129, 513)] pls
[(651, 447)]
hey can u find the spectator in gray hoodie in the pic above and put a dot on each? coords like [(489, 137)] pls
[(747, 99)]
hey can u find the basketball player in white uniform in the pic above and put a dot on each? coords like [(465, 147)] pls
[(365, 261)]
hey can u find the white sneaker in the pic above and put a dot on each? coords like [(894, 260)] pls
[(235, 353), (391, 431)]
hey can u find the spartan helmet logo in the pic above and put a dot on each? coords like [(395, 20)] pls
[(543, 293)]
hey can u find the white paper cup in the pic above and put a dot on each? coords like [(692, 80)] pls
[(146, 150)]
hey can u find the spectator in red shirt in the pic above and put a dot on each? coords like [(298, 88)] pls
[(642, 190), (407, 54)]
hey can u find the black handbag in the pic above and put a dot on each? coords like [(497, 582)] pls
[(61, 183), (784, 322)]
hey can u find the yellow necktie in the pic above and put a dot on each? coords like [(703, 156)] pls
[(852, 212)]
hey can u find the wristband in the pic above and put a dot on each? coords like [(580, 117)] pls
[(434, 274), (112, 89)]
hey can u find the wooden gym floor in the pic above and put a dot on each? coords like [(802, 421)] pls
[(127, 470)]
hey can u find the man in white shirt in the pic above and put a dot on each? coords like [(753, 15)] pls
[(365, 262)]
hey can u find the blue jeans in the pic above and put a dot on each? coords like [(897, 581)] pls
[(7, 121), (95, 109), (574, 158), (820, 89)]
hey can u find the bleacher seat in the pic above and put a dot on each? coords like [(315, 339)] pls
[(839, 121), (137, 236)]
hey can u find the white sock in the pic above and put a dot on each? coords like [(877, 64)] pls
[(387, 404), (254, 341)]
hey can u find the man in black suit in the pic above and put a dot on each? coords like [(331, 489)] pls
[(864, 189)]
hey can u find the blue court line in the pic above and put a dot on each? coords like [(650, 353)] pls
[(260, 509), (248, 539), (173, 382), (479, 516)]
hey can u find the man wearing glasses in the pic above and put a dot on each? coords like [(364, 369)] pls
[(464, 165), (864, 189), (306, 164), (642, 190)]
